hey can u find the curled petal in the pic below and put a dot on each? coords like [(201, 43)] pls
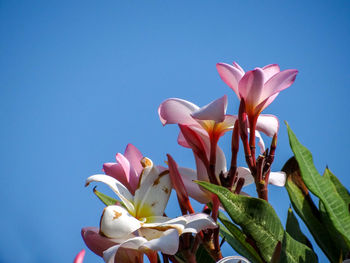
[(198, 222), (260, 141), (116, 171), (80, 257), (215, 110), (118, 188), (168, 243), (267, 124), (174, 110), (234, 259), (134, 244), (94, 241), (277, 178), (116, 222), (231, 75)]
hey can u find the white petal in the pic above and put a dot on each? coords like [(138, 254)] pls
[(197, 222), (220, 161), (117, 223), (260, 142), (277, 178), (267, 124), (133, 243), (153, 193), (244, 173), (234, 259), (188, 176), (168, 243), (117, 187)]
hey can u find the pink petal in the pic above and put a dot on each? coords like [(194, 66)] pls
[(279, 82), (116, 171), (178, 184), (251, 87), (174, 110), (235, 64), (231, 75), (194, 191), (215, 110), (80, 257), (94, 241), (134, 156), (267, 124), (270, 70)]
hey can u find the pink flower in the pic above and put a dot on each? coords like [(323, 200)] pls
[(258, 87), (127, 169), (198, 126)]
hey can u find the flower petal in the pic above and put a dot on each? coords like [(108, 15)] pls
[(118, 188), (245, 173), (234, 259), (94, 241), (215, 110), (116, 222), (116, 171), (278, 82), (135, 243), (168, 243), (267, 124), (80, 257), (251, 87), (270, 71), (134, 156), (277, 178), (231, 75), (153, 193), (174, 110), (188, 176), (198, 222), (260, 142)]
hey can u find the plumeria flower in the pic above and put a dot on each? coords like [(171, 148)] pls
[(201, 121), (138, 226), (258, 87)]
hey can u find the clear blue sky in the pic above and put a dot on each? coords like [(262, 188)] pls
[(78, 81)]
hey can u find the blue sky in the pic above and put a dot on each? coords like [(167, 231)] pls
[(78, 81)]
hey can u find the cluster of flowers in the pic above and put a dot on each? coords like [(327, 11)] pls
[(136, 225)]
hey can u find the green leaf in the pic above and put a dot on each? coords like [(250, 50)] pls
[(334, 235), (337, 186), (259, 221), (105, 198), (202, 255), (307, 210), (293, 229), (320, 186), (237, 240)]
